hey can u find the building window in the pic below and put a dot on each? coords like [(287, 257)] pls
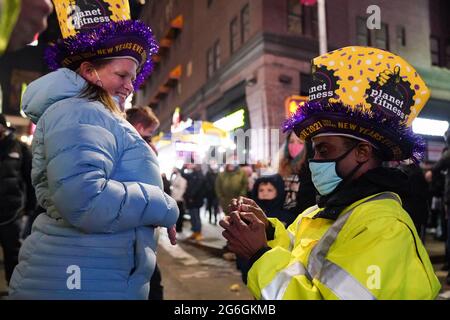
[(210, 63), (362, 33), (213, 59), (216, 55), (381, 37), (245, 23), (295, 17), (234, 35), (378, 38), (401, 36), (314, 21), (434, 46)]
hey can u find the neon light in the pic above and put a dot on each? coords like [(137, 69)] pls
[(231, 121), (430, 127)]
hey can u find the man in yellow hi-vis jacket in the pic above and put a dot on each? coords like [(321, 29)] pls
[(357, 242)]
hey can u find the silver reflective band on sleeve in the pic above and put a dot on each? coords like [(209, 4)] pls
[(319, 252), (277, 287), (343, 284), (292, 241)]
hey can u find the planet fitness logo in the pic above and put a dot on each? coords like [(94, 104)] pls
[(88, 15), (391, 95), (324, 85)]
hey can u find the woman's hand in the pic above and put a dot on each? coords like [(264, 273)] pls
[(172, 233)]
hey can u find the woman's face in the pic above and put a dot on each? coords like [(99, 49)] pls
[(295, 145), (116, 77)]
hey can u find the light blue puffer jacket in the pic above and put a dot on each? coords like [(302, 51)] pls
[(101, 186)]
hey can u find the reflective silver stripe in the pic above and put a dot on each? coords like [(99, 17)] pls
[(277, 287), (292, 241), (318, 254), (343, 284)]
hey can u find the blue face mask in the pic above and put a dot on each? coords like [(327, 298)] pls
[(324, 175)]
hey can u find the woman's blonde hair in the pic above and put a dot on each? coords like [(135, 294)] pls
[(95, 92)]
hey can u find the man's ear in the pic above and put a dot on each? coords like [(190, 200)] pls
[(364, 152)]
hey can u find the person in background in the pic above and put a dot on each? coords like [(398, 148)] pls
[(269, 194), (178, 187), (193, 197), (212, 203), (166, 184), (231, 183), (20, 21), (251, 178), (293, 168), (444, 165), (145, 122), (16, 193), (415, 199)]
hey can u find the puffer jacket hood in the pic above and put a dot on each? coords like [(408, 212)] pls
[(51, 88)]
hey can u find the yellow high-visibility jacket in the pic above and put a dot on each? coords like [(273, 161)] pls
[(9, 12), (372, 251)]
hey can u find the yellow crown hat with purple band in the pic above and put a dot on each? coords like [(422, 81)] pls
[(100, 29), (366, 93)]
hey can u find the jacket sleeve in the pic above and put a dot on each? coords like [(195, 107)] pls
[(182, 184), (218, 187), (350, 268), (282, 237), (244, 184), (81, 159)]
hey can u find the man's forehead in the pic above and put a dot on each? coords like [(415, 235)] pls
[(325, 140)]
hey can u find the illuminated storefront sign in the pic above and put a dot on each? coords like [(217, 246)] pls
[(232, 121), (430, 127), (292, 103)]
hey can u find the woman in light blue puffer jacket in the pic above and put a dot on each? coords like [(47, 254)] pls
[(101, 186)]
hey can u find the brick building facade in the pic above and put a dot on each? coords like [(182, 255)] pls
[(227, 54)]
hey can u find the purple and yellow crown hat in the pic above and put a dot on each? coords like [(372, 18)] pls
[(100, 29), (365, 93)]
